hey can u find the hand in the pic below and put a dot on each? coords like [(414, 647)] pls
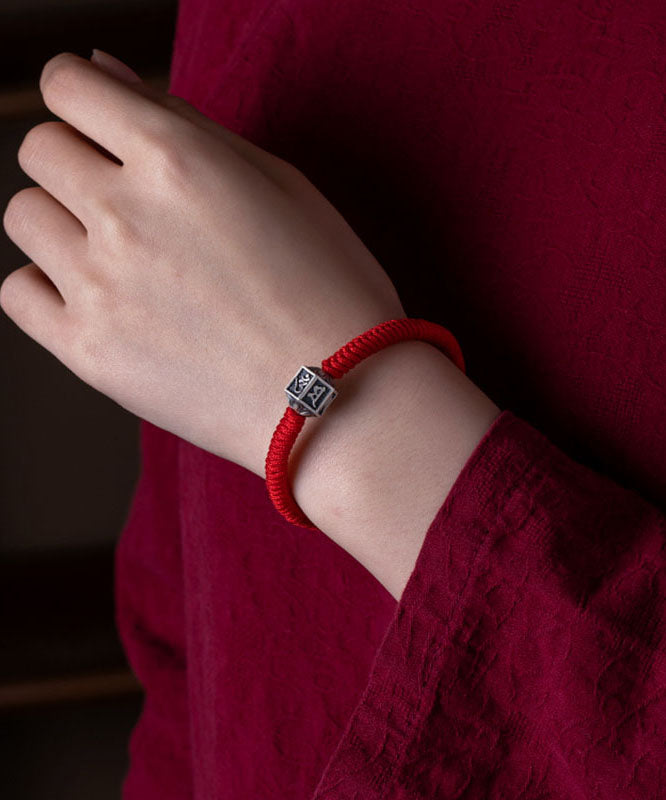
[(178, 268)]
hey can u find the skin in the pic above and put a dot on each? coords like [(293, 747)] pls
[(186, 274)]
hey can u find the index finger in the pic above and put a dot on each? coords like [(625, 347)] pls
[(104, 108)]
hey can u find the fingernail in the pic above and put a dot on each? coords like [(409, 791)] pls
[(114, 66)]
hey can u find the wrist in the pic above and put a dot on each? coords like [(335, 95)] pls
[(374, 470)]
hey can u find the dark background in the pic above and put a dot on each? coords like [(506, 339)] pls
[(70, 462)]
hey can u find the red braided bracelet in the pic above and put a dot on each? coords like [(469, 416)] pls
[(311, 391)]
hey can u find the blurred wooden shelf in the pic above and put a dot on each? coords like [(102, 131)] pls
[(60, 641), (71, 688)]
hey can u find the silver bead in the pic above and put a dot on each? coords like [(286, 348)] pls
[(310, 392)]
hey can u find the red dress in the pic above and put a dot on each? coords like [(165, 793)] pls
[(506, 164)]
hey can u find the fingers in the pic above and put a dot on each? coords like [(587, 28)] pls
[(46, 232), (119, 116), (69, 168), (122, 117), (29, 298)]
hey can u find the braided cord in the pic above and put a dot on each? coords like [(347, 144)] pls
[(338, 365)]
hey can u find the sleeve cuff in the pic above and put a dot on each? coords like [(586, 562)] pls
[(409, 660)]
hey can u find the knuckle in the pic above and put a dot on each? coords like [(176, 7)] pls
[(58, 72), (101, 297), (156, 133), (98, 301), (17, 208), (10, 289), (170, 164), (112, 229), (33, 141), (28, 147), (167, 154)]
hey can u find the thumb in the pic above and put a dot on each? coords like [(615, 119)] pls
[(114, 66)]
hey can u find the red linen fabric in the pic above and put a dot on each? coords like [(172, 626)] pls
[(506, 164)]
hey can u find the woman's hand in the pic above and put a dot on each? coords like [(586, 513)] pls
[(178, 268)]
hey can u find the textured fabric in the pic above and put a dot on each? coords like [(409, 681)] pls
[(506, 164)]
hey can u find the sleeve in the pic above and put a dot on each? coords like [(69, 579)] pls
[(525, 658), (150, 621)]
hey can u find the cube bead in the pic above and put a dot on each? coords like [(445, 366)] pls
[(310, 391)]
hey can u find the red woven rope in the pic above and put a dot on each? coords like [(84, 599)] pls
[(339, 364)]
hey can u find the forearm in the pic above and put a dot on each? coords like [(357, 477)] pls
[(374, 470)]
